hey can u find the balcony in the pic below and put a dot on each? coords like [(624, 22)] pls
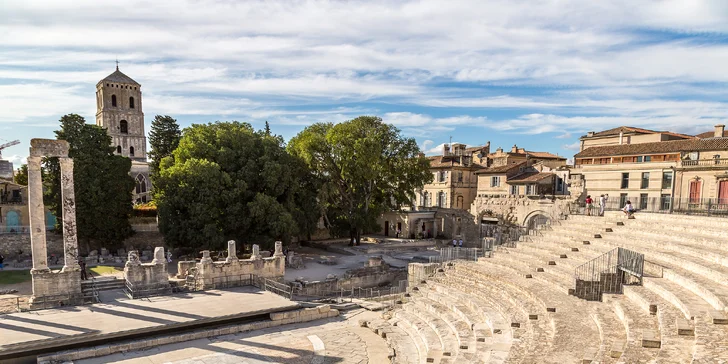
[(703, 163)]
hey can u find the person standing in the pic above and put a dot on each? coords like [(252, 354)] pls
[(602, 204), (589, 202), (2, 259), (461, 242), (82, 264), (454, 243)]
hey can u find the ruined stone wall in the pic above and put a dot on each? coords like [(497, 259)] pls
[(146, 278), (517, 209), (17, 246), (416, 272), (369, 278), (210, 273)]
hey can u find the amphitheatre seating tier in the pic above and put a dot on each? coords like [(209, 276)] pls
[(434, 316), (431, 344), (406, 347), (637, 324)]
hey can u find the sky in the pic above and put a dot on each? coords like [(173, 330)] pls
[(536, 73)]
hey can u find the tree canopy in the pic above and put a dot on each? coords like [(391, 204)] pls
[(102, 185), (21, 175), (227, 181), (366, 168), (164, 137)]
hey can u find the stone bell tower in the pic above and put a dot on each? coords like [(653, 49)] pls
[(119, 111)]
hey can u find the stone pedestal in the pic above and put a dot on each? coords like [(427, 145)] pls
[(53, 289), (279, 249), (256, 252), (232, 255)]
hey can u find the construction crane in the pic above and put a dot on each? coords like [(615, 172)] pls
[(3, 146)]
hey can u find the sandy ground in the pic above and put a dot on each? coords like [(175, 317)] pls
[(315, 271)]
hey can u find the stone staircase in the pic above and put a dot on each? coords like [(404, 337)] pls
[(515, 307), (101, 284)]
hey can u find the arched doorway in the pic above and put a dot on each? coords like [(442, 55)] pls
[(12, 222), (536, 220)]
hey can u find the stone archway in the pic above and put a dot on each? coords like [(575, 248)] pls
[(536, 218)]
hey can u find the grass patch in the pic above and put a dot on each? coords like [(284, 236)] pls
[(104, 270), (14, 276)]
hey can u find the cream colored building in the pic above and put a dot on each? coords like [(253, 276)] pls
[(675, 172)]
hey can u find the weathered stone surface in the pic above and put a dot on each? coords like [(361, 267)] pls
[(232, 255), (48, 148), (70, 242)]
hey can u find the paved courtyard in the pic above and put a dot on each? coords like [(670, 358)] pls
[(336, 340)]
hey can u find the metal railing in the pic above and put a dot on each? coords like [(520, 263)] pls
[(278, 288), (135, 291), (687, 206), (607, 273), (231, 281), (454, 253)]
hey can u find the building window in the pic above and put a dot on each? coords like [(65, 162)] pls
[(695, 191), (442, 176), (495, 181), (113, 100), (530, 190), (460, 176), (513, 190), (460, 202), (425, 199), (625, 180), (648, 158), (666, 180), (441, 199), (118, 149), (559, 184), (123, 127), (645, 180), (131, 102), (664, 202), (639, 159), (131, 151), (643, 201), (141, 184)]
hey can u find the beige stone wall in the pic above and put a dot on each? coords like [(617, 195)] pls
[(210, 272), (607, 178), (710, 180), (484, 184), (518, 209), (65, 286)]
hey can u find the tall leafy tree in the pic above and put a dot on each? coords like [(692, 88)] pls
[(102, 184), (164, 137), (21, 175), (227, 181), (366, 168)]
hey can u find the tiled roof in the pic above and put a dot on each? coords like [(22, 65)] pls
[(439, 161), (500, 169), (630, 129), (709, 134), (545, 155), (530, 177), (119, 77), (672, 146)]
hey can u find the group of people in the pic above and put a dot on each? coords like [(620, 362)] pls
[(455, 243), (628, 209)]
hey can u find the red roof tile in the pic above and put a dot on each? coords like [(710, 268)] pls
[(672, 146)]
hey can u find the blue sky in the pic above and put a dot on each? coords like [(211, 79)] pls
[(534, 73)]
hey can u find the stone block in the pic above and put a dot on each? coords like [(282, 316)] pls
[(574, 249), (586, 242), (563, 256), (102, 350), (597, 236), (718, 317), (550, 309), (515, 324), (608, 230), (533, 317), (650, 339), (539, 269), (653, 310), (529, 276), (363, 323), (684, 327), (551, 262), (617, 348), (620, 223)]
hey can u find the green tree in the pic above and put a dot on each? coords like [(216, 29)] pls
[(227, 181), (267, 128), (163, 139), (366, 168), (102, 184), (21, 175)]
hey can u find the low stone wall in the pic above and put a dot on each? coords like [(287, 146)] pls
[(210, 273), (416, 272), (16, 247), (147, 278), (276, 319)]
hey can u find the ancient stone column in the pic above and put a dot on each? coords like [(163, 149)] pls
[(256, 252), (279, 249), (70, 242), (159, 256), (36, 210), (232, 255)]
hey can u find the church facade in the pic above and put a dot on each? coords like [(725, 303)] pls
[(119, 111)]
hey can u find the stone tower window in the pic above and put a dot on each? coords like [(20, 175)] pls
[(118, 149), (124, 127), (131, 151), (141, 184), (131, 102), (113, 100)]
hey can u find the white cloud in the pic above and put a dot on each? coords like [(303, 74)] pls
[(564, 136), (573, 146)]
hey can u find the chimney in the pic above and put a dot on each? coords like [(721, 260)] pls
[(445, 150), (621, 137), (499, 150), (590, 134), (514, 149), (719, 130), (487, 148)]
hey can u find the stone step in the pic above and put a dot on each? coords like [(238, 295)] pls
[(457, 328), (636, 324), (417, 327), (694, 220)]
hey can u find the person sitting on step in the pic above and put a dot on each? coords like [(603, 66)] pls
[(629, 210)]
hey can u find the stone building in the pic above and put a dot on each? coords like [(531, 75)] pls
[(675, 171), (119, 111)]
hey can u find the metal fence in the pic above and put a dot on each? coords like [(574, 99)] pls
[(135, 291), (278, 288), (663, 205), (607, 273), (448, 254), (390, 295)]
